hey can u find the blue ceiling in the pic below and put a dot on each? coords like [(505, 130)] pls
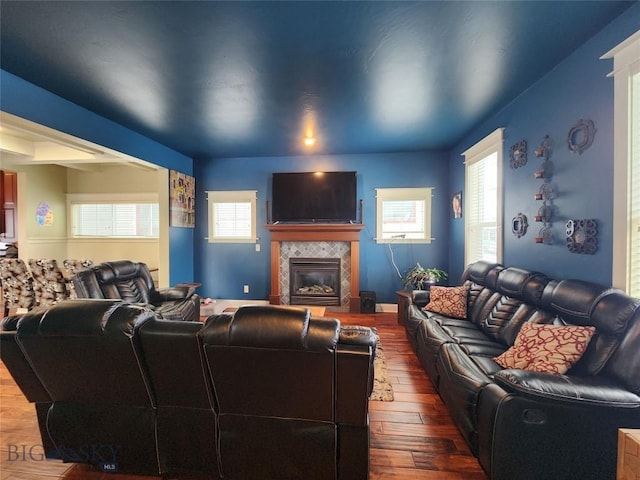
[(226, 79)]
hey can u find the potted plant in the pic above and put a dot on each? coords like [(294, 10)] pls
[(418, 277)]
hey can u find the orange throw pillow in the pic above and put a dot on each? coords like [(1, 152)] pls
[(547, 348), (449, 301)]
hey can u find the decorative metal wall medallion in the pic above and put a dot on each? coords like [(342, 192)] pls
[(519, 225), (546, 170), (581, 136), (545, 236), (545, 148), (545, 192), (518, 154), (582, 236), (545, 213)]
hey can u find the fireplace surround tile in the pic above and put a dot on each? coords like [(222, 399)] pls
[(321, 249)]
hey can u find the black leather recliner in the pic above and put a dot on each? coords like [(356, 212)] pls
[(284, 412), (131, 282), (266, 393), (101, 408), (186, 416)]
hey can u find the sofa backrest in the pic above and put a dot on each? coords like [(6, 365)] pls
[(273, 372), (186, 417), (276, 352), (123, 279), (174, 359), (501, 299), (82, 351), (615, 316), (624, 363)]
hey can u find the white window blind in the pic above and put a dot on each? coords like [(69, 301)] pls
[(634, 188), (403, 215), (481, 214), (113, 218), (626, 164), (232, 216), (483, 206)]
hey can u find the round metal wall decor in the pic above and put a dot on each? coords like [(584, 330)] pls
[(582, 236), (545, 213), (581, 136), (519, 225), (518, 154), (545, 192), (545, 236), (545, 148)]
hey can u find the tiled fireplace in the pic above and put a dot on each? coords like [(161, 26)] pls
[(316, 241), (314, 281)]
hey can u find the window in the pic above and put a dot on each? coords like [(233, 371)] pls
[(626, 169), (122, 216), (483, 204), (232, 216), (403, 215)]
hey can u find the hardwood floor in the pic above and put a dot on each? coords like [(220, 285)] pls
[(412, 437)]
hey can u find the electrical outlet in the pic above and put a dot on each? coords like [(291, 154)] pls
[(245, 289)]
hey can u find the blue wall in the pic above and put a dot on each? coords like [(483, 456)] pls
[(576, 89), (28, 101), (224, 268)]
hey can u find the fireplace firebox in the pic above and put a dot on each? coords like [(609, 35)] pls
[(314, 281)]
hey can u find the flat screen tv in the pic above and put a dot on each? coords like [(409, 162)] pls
[(308, 197)]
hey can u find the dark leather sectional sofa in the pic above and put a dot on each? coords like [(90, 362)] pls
[(268, 392), (524, 424)]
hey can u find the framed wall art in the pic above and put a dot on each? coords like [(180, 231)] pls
[(456, 204), (182, 200)]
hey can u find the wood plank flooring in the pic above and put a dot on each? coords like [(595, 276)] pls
[(412, 437)]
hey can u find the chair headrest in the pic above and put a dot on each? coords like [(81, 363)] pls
[(83, 317), (271, 326)]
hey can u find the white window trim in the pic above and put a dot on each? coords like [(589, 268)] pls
[(231, 196), (626, 61), (388, 194), (108, 198), (485, 147)]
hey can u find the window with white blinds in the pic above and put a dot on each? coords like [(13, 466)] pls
[(403, 215), (232, 216), (111, 216), (633, 229), (483, 200), (626, 177)]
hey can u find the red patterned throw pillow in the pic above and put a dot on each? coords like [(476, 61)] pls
[(449, 301), (547, 348)]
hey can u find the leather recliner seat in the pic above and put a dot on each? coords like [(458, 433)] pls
[(101, 408), (132, 283), (274, 372)]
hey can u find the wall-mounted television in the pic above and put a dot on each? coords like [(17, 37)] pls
[(309, 197)]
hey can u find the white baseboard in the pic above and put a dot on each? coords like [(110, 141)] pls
[(387, 307)]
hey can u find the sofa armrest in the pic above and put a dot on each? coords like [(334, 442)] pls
[(172, 293), (567, 389), (354, 374), (20, 369), (420, 298), (356, 335)]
